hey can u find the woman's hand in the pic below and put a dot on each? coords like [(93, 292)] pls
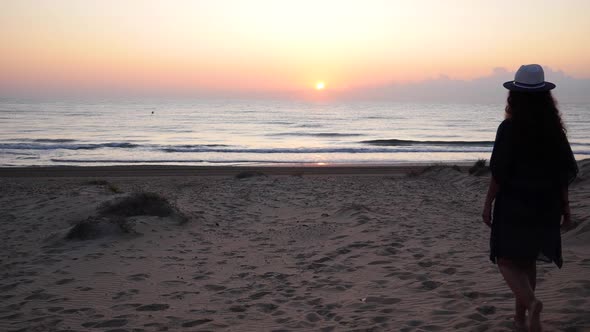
[(567, 218), (487, 214), (490, 197)]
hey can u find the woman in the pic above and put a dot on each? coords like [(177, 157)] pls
[(532, 165)]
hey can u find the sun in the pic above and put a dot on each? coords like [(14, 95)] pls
[(320, 85)]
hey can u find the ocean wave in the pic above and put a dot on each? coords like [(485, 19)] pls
[(39, 140), (53, 140), (316, 134), (284, 123), (33, 146), (202, 145), (93, 146), (325, 150), (153, 161), (579, 144), (401, 142), (386, 146), (308, 125), (91, 161), (15, 153)]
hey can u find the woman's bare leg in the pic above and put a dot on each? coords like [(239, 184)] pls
[(532, 274), (534, 318), (520, 314), (535, 311), (530, 268), (517, 278)]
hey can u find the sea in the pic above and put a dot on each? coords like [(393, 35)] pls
[(264, 132)]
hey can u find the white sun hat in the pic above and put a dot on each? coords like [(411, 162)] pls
[(529, 78)]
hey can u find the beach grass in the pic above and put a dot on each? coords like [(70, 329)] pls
[(104, 183), (138, 204), (249, 174), (94, 227), (432, 167), (479, 167)]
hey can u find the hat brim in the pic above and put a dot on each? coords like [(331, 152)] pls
[(512, 87)]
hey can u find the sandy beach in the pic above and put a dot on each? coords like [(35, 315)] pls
[(273, 249)]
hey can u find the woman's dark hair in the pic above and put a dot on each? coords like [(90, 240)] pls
[(536, 120)]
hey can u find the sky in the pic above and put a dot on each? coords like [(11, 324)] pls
[(283, 48)]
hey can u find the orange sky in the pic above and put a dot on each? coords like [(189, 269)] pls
[(276, 45)]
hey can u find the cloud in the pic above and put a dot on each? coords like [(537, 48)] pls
[(480, 90), (486, 89)]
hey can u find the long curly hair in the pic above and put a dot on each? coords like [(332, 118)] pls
[(536, 120)]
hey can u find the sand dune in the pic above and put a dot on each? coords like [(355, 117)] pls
[(311, 252)]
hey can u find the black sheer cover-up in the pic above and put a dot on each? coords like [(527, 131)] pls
[(528, 206)]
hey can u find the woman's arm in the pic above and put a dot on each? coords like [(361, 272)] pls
[(567, 221), (500, 165), (490, 197), (568, 175)]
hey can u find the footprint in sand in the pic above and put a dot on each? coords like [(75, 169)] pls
[(486, 309), (379, 262), (40, 295), (215, 288), (73, 311), (179, 295), (202, 276), (258, 295), (430, 285), (64, 281), (477, 317), (4, 288), (153, 307), (11, 317), (54, 309), (449, 270), (126, 295), (238, 308), (172, 283), (125, 306), (312, 317), (196, 322), (401, 275), (266, 307), (382, 300), (138, 277), (106, 323), (388, 252)]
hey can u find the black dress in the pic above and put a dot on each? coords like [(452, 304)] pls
[(528, 206)]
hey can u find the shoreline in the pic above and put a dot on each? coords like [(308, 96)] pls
[(181, 170), (172, 170)]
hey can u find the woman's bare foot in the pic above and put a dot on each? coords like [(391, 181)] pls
[(520, 323), (519, 315), (534, 319)]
